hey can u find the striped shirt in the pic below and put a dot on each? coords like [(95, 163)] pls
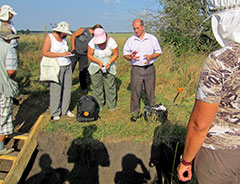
[(11, 60)]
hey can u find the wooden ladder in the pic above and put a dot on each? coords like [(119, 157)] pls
[(21, 157)]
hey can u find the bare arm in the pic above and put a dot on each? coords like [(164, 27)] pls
[(152, 56), (46, 49), (113, 58), (198, 126), (12, 73), (76, 34), (92, 58)]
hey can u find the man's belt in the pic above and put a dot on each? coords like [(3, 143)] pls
[(144, 66)]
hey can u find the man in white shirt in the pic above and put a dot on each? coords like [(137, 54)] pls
[(141, 50)]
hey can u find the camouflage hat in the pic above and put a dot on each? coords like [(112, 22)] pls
[(6, 32)]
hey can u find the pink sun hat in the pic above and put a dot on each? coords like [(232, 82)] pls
[(99, 36)]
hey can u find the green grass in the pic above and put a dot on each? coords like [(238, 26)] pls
[(171, 72)]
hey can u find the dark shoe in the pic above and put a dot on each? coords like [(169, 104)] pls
[(15, 101), (134, 118)]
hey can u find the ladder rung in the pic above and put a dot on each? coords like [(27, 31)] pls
[(11, 156), (22, 137), (2, 176)]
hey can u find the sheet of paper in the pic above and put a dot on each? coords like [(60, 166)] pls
[(70, 55)]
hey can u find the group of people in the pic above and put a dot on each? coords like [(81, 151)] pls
[(213, 134), (95, 45), (92, 44)]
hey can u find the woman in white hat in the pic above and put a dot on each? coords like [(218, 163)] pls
[(6, 15), (213, 134), (103, 52), (55, 46)]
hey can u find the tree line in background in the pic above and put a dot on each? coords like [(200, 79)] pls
[(178, 23), (182, 24)]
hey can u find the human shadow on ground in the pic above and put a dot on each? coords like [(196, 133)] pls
[(129, 175), (49, 175), (29, 110), (87, 154), (118, 83), (168, 145)]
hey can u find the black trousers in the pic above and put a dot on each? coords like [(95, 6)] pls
[(83, 66)]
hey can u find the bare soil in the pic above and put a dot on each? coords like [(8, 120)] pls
[(61, 159), (89, 161)]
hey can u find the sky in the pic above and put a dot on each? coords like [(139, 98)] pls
[(113, 15)]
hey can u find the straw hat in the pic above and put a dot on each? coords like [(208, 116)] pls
[(6, 32), (63, 27), (4, 12), (99, 36), (225, 19)]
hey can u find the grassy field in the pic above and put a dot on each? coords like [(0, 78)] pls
[(171, 72)]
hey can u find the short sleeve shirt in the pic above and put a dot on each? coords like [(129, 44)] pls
[(147, 46), (111, 44), (220, 82), (104, 56)]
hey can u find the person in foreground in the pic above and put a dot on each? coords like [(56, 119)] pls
[(80, 39), (141, 49), (8, 67), (55, 46), (213, 132), (103, 52)]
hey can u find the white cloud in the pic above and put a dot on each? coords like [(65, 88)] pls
[(119, 1), (116, 1), (106, 1)]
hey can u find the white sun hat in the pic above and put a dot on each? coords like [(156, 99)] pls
[(4, 12), (225, 19), (63, 27)]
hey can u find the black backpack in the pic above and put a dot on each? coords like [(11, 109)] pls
[(87, 109), (157, 112)]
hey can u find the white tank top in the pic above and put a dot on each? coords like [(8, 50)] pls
[(60, 47)]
